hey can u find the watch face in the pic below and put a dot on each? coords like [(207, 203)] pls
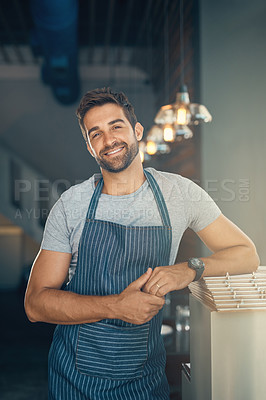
[(197, 262)]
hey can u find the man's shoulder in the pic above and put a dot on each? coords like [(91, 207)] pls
[(175, 187), (80, 191), (169, 177)]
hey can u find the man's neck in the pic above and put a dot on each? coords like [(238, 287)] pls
[(124, 182)]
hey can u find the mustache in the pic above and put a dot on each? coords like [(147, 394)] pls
[(114, 146)]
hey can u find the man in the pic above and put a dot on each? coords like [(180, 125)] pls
[(115, 238)]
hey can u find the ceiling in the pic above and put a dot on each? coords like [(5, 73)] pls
[(145, 28), (105, 23)]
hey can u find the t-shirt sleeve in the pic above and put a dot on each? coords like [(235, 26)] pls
[(200, 207), (56, 233)]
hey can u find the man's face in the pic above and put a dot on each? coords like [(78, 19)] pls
[(111, 138)]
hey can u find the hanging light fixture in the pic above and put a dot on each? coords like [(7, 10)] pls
[(182, 113), (154, 144), (174, 119)]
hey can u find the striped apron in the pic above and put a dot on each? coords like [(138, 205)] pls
[(112, 359)]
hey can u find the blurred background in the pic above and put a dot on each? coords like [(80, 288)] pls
[(51, 53)]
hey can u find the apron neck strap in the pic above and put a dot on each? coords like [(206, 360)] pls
[(94, 200), (156, 192), (158, 198)]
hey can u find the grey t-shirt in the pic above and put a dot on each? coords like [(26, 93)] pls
[(189, 206)]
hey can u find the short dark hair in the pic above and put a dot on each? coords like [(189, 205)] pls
[(99, 97)]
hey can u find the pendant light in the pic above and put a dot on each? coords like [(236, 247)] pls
[(181, 114), (174, 119), (154, 143)]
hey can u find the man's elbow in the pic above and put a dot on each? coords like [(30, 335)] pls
[(253, 258), (256, 260), (29, 308)]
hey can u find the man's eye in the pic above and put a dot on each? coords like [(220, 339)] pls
[(117, 127), (95, 135)]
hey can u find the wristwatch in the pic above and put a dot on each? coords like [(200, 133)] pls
[(198, 265)]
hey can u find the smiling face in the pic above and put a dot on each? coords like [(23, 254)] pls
[(111, 138)]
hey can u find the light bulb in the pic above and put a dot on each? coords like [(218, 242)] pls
[(151, 148), (168, 133), (181, 116)]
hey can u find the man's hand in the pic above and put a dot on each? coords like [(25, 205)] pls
[(137, 307), (166, 279)]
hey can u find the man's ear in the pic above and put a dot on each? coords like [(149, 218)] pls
[(89, 149), (139, 131)]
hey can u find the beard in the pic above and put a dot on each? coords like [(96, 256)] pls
[(120, 162)]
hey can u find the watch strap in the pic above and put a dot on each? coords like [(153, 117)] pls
[(197, 265)]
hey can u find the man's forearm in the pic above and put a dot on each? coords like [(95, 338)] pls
[(61, 307), (67, 308), (234, 260)]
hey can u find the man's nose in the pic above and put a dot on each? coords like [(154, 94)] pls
[(109, 138)]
